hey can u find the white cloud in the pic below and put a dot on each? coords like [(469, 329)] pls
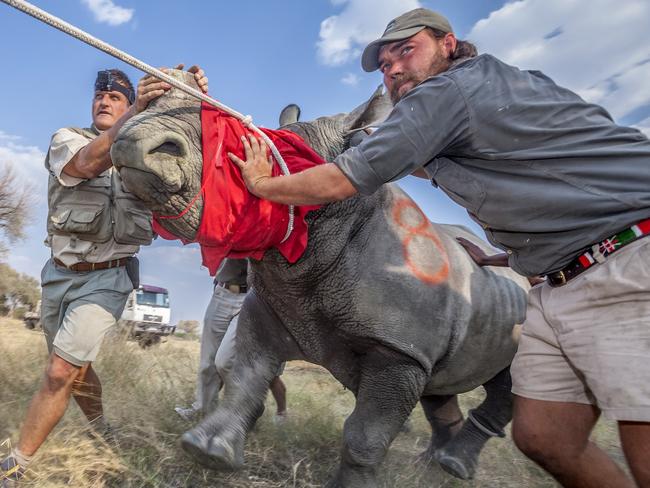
[(350, 79), (107, 12), (26, 161), (597, 48), (343, 36)]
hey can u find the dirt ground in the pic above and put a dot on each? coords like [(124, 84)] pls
[(141, 388)]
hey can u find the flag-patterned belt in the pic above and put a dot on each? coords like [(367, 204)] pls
[(598, 252)]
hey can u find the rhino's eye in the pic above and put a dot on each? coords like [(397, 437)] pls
[(167, 148)]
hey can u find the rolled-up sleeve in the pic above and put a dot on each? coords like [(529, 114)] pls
[(430, 119), (64, 145)]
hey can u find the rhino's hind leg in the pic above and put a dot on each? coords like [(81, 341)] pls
[(389, 388), (459, 457), (445, 418)]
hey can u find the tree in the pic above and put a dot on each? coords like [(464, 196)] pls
[(17, 290), (190, 327), (16, 199)]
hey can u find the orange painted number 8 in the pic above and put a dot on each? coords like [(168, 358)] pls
[(420, 228)]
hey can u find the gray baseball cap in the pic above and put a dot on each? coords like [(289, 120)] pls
[(400, 28)]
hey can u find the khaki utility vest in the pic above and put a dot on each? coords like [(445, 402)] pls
[(97, 209)]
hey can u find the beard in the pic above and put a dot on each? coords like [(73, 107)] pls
[(438, 65)]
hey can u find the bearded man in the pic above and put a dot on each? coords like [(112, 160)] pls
[(557, 185)]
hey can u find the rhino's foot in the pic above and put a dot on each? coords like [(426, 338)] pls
[(459, 457), (214, 453), (456, 465)]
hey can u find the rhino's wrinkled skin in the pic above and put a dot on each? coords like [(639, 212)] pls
[(390, 304)]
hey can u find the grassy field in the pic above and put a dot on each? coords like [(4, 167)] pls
[(141, 388)]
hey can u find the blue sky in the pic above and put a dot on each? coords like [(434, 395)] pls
[(262, 55)]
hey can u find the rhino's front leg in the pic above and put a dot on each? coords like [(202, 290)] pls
[(248, 359), (389, 388)]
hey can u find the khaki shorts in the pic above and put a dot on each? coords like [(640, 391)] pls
[(589, 340), (78, 308)]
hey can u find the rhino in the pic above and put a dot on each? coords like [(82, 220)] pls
[(388, 302)]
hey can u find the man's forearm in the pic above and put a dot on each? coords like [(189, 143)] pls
[(496, 260), (321, 184), (95, 158)]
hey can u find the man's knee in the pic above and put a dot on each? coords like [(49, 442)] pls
[(223, 365), (225, 358), (59, 373), (529, 439), (208, 370), (543, 445)]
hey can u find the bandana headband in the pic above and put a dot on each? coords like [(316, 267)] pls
[(107, 82)]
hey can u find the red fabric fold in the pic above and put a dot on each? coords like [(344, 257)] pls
[(236, 223)]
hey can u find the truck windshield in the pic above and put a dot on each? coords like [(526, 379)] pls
[(153, 299)]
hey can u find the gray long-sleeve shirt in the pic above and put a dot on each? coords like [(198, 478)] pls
[(545, 173)]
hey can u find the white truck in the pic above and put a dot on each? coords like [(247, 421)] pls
[(147, 314)]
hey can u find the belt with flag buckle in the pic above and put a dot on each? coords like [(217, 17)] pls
[(598, 252)]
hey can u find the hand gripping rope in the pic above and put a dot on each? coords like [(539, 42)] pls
[(77, 33)]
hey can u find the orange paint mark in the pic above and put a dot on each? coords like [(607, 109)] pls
[(419, 229)]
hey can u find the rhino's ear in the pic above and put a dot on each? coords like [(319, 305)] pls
[(289, 115), (371, 113)]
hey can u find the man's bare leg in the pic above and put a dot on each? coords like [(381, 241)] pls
[(48, 404), (635, 439), (279, 392), (87, 391), (556, 436), (46, 409)]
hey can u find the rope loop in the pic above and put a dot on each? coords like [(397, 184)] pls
[(247, 120)]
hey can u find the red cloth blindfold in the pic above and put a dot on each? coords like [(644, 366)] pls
[(236, 223)]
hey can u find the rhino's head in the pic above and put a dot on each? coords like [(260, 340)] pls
[(158, 152), (158, 155)]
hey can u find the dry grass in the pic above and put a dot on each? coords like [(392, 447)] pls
[(142, 387)]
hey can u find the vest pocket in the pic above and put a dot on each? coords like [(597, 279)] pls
[(132, 226), (86, 222)]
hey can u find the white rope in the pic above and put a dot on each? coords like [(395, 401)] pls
[(77, 33)]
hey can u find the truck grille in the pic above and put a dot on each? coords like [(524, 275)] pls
[(152, 318)]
